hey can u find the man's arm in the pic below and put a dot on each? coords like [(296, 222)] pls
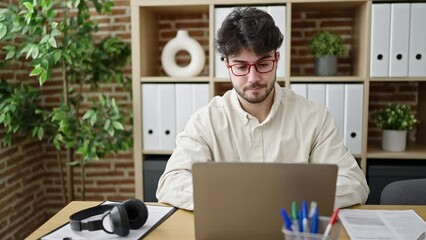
[(175, 185), (328, 147)]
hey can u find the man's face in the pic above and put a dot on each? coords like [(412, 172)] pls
[(255, 86)]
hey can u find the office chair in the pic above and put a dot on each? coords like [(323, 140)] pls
[(404, 192)]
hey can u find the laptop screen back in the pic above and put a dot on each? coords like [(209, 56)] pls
[(243, 200)]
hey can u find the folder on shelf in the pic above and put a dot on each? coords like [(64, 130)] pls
[(316, 93), (189, 98), (354, 98), (417, 61), (399, 39), (220, 70), (380, 40), (200, 96), (300, 88), (150, 116), (334, 100), (183, 105), (278, 13), (167, 117)]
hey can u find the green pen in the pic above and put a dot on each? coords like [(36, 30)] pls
[(294, 215), (294, 211)]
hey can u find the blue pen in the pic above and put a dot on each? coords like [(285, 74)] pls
[(286, 219), (315, 221), (305, 216), (300, 221)]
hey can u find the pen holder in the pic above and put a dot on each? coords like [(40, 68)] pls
[(323, 222)]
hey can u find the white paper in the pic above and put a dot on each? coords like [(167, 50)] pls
[(155, 214), (382, 224)]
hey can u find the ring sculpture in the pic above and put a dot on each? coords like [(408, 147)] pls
[(183, 41)]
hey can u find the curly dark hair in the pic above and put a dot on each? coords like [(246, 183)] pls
[(249, 28)]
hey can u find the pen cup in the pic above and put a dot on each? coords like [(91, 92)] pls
[(323, 222)]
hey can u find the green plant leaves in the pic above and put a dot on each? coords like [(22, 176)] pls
[(326, 43), (396, 117), (33, 30)]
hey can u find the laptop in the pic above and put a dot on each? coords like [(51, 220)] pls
[(243, 200)]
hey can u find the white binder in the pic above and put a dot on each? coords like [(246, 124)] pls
[(220, 69), (150, 116), (399, 40), (335, 98), (200, 96), (167, 117), (316, 93), (183, 105), (278, 13), (417, 61), (380, 40), (300, 88), (354, 97)]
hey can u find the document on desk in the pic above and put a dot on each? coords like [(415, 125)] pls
[(156, 214), (382, 224)]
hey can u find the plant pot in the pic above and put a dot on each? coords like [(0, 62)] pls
[(326, 65), (394, 140)]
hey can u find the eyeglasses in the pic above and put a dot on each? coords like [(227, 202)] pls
[(242, 69)]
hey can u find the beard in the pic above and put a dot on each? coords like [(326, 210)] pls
[(257, 97)]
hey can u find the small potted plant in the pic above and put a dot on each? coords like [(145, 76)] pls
[(326, 47), (395, 120)]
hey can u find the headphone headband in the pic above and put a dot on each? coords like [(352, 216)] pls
[(76, 218)]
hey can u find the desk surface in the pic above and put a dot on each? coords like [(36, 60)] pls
[(180, 225)]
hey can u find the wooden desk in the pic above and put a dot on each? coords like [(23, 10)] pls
[(180, 225)]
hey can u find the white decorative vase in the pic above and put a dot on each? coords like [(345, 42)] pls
[(394, 140), (183, 41)]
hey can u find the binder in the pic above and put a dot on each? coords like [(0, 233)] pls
[(380, 40), (167, 117), (278, 13), (417, 57), (335, 98), (183, 105), (316, 93), (150, 116), (220, 69), (399, 39), (354, 97), (300, 88), (200, 96)]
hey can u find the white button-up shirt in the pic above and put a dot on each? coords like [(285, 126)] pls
[(295, 131)]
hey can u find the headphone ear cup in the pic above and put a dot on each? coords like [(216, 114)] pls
[(137, 212), (119, 221)]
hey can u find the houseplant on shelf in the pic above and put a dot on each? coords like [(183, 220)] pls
[(326, 47), (395, 120), (56, 41)]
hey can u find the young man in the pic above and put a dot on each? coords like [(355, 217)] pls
[(258, 121)]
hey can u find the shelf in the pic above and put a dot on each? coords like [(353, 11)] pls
[(323, 79), (413, 151), (157, 152), (398, 79), (175, 79), (348, 19)]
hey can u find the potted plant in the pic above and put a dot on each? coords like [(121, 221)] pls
[(395, 120), (49, 37), (326, 47)]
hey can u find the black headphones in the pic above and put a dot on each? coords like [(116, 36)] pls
[(131, 214)]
